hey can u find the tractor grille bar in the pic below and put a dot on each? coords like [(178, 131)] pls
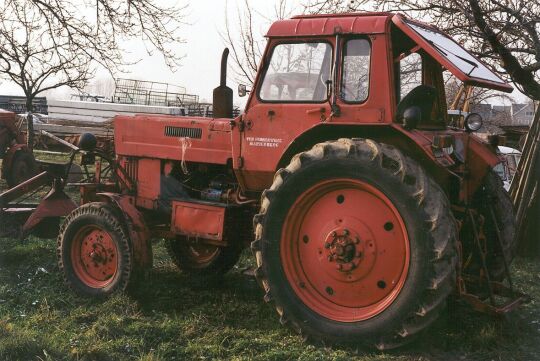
[(183, 132), (131, 168)]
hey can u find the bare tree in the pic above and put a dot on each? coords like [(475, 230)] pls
[(503, 33), (245, 41), (46, 44)]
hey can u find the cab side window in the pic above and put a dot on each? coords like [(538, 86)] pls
[(410, 74), (355, 73)]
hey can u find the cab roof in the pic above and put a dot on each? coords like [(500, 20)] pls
[(445, 50), (325, 24)]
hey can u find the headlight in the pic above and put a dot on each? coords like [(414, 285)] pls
[(473, 122)]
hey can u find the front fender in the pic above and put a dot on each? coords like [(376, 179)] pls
[(138, 231)]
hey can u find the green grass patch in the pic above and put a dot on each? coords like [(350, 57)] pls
[(170, 316)]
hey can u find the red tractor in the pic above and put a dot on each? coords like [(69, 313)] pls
[(18, 163), (363, 208)]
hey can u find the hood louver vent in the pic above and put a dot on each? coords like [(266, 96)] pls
[(183, 132)]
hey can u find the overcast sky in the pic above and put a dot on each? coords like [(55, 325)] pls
[(199, 72)]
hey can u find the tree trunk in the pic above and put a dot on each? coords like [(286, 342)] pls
[(30, 123)]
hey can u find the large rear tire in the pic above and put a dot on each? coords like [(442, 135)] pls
[(94, 251), (355, 244)]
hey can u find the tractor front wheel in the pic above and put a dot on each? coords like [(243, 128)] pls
[(356, 244), (94, 251), (202, 258)]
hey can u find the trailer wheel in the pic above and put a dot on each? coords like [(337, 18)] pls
[(202, 258), (94, 251), (493, 195), (23, 167), (355, 244)]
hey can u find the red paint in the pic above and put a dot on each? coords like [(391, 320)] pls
[(339, 258), (145, 136), (317, 25), (55, 204), (94, 256), (198, 220), (138, 231)]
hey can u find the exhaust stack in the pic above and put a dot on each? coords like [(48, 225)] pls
[(223, 95)]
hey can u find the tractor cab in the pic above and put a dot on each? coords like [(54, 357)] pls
[(374, 74)]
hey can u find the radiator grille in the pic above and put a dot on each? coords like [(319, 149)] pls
[(131, 168), (183, 132)]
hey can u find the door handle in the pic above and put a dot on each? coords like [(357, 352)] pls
[(316, 110)]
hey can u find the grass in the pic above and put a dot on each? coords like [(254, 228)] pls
[(169, 316)]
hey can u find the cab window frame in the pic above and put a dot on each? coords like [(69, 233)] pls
[(268, 61), (342, 67)]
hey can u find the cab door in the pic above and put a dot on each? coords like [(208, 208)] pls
[(289, 97)]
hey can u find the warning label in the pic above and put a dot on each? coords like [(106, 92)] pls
[(263, 142)]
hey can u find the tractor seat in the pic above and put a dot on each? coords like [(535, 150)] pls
[(56, 169), (424, 97)]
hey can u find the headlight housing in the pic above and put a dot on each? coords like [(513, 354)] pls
[(473, 122)]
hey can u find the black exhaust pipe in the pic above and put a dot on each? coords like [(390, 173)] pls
[(223, 95)]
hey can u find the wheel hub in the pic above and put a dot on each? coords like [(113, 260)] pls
[(95, 256), (344, 249)]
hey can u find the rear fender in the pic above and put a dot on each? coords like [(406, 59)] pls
[(414, 144), (417, 144), (138, 231)]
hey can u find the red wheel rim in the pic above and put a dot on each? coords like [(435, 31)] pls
[(345, 250), (95, 256), (200, 254)]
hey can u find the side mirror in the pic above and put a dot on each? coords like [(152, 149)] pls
[(411, 117), (242, 90)]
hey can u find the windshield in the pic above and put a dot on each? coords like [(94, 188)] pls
[(297, 73)]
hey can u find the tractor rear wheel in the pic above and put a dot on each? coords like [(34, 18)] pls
[(23, 167), (492, 197), (202, 258), (355, 243), (94, 251)]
